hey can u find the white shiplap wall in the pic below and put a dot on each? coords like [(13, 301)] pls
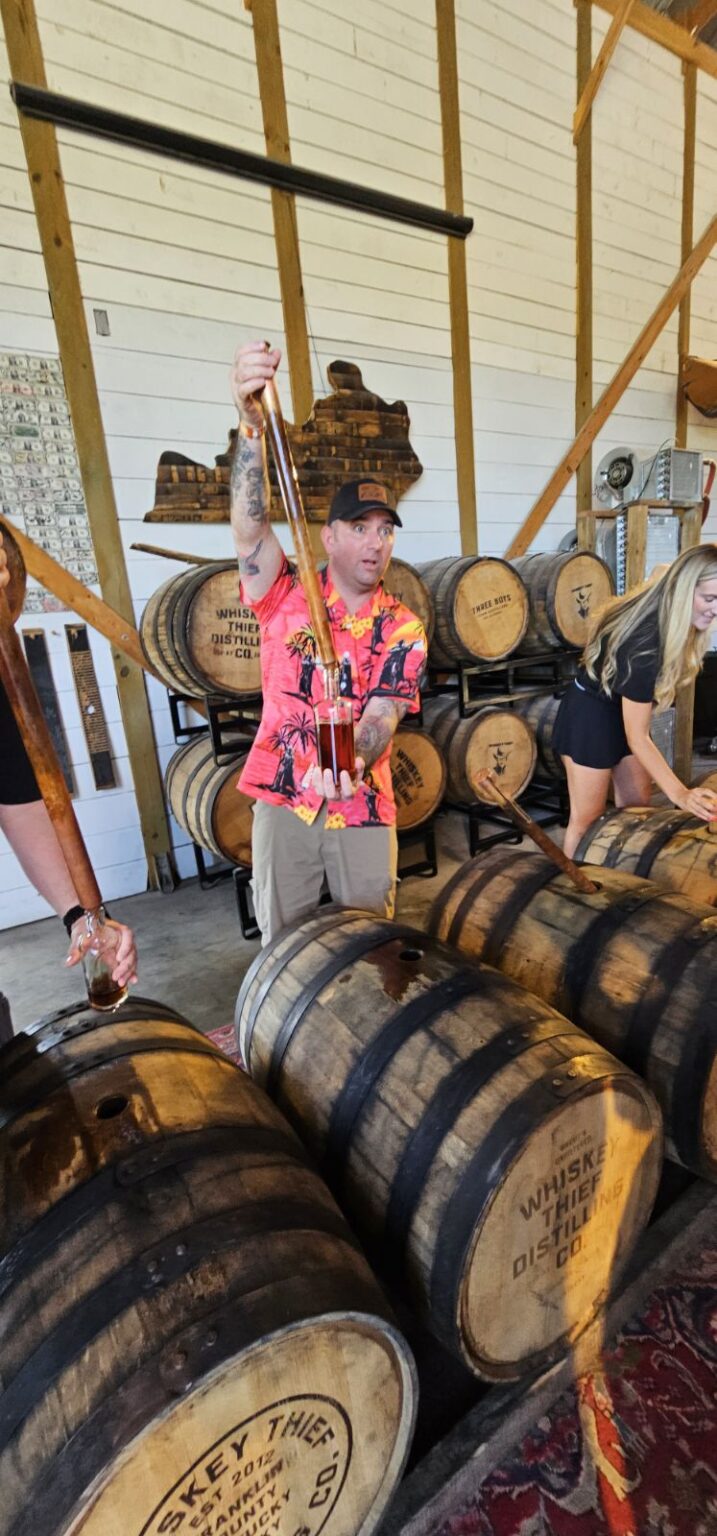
[(184, 264)]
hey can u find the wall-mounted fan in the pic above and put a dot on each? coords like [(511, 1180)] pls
[(618, 478)]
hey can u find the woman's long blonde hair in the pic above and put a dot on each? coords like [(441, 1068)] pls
[(671, 598)]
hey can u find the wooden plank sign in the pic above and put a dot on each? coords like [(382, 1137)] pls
[(35, 643), (91, 707)]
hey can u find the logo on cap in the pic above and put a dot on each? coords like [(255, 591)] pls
[(368, 491)]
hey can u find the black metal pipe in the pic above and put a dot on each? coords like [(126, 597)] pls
[(85, 117)]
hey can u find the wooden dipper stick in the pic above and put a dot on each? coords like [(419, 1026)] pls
[(173, 554), (41, 752), (296, 517), (526, 824)]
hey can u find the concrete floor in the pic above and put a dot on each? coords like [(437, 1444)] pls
[(192, 954)]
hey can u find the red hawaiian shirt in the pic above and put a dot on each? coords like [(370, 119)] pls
[(382, 653)]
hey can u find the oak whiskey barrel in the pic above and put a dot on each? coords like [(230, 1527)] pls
[(540, 713), (199, 637), (403, 581), (492, 739), (565, 590), (634, 966), (204, 799), (498, 1162), (481, 607), (676, 850), (418, 774), (188, 1326)]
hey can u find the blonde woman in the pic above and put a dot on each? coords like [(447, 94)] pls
[(644, 648)]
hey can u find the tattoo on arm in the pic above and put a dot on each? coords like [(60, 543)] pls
[(247, 563), (250, 491), (374, 734)]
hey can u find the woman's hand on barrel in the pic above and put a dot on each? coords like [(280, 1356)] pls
[(254, 363), (699, 802), (125, 967), (324, 785)]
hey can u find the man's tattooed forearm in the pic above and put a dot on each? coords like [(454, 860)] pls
[(247, 563), (250, 490), (374, 734)]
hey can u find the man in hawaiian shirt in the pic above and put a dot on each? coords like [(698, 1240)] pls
[(306, 826)]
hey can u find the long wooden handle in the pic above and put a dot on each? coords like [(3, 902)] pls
[(526, 824), (39, 746), (173, 554), (296, 517)]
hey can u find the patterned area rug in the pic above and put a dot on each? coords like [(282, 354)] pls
[(631, 1450)]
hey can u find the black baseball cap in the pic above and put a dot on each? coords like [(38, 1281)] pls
[(357, 497)]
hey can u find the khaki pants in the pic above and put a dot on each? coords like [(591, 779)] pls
[(290, 860)]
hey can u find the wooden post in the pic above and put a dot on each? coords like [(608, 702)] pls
[(267, 46), (589, 90), (688, 210), (636, 539), (587, 531), (690, 537), (584, 260), (457, 278), (613, 393), (48, 191)]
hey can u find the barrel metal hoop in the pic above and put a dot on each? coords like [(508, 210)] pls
[(646, 1016), (454, 1093), (587, 951), (161, 1265), (267, 966), (470, 1198), (377, 1056), (145, 1396), (581, 852), (507, 915), (120, 1181), (477, 884), (659, 840), (51, 1078), (383, 934)]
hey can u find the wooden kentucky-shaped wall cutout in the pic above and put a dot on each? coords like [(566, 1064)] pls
[(350, 433)]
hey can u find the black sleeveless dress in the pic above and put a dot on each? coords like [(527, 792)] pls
[(589, 725)]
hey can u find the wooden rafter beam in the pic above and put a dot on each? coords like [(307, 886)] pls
[(584, 258), (613, 393), (698, 16), (686, 241), (660, 29), (592, 85), (457, 278)]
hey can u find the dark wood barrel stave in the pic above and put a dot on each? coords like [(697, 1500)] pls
[(481, 607), (632, 965), (566, 590), (540, 712), (442, 1102), (195, 632), (403, 581), (418, 775), (491, 740), (671, 847), (176, 1283), (205, 801)]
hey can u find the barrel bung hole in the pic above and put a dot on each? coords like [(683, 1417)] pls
[(113, 1105), (410, 954)]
